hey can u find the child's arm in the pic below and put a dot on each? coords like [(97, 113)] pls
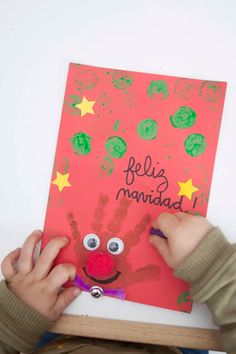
[(201, 255), (31, 297)]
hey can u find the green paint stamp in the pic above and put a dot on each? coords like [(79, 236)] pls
[(147, 129), (210, 91), (67, 165), (121, 80), (104, 100), (81, 143), (107, 166), (184, 89), (184, 297), (158, 87), (195, 144), (184, 117), (86, 79), (116, 124), (116, 146), (197, 213), (71, 103)]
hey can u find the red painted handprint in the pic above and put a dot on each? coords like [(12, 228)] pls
[(102, 256)]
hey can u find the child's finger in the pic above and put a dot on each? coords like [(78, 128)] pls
[(181, 216), (9, 264), (166, 222), (60, 275), (161, 245), (64, 299), (25, 262), (48, 255)]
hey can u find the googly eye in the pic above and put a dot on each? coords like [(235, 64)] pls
[(115, 246), (91, 242)]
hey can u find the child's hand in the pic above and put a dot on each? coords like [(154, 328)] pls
[(183, 231), (36, 284)]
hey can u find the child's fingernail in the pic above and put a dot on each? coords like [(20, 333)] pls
[(76, 292), (65, 239), (38, 232)]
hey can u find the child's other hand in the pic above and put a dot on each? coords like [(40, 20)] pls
[(35, 283), (183, 231)]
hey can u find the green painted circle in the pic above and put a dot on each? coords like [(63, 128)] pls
[(86, 79), (81, 143), (121, 80), (195, 144), (184, 117), (184, 88), (147, 129), (156, 87), (107, 166), (71, 103), (210, 91), (116, 146)]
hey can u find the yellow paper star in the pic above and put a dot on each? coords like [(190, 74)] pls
[(86, 106), (62, 181), (187, 188)]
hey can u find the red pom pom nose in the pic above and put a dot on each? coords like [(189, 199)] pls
[(99, 264)]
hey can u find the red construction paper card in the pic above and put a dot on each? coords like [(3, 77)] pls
[(130, 145)]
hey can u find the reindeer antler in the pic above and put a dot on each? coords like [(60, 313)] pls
[(133, 236), (73, 225), (119, 216), (99, 212)]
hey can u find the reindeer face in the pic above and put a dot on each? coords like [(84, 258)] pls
[(102, 255), (100, 265)]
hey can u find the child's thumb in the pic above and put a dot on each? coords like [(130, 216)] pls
[(161, 245)]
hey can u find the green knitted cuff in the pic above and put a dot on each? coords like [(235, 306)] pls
[(20, 325), (205, 261)]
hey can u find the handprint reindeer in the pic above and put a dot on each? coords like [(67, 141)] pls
[(102, 261)]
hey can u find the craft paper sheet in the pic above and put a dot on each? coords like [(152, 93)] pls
[(130, 145)]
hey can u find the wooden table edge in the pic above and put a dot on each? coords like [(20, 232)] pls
[(139, 332)]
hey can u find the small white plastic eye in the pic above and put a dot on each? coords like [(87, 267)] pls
[(115, 246), (91, 242)]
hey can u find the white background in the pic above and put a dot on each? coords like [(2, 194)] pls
[(37, 41)]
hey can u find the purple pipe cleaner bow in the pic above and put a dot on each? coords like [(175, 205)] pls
[(157, 232), (119, 293)]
